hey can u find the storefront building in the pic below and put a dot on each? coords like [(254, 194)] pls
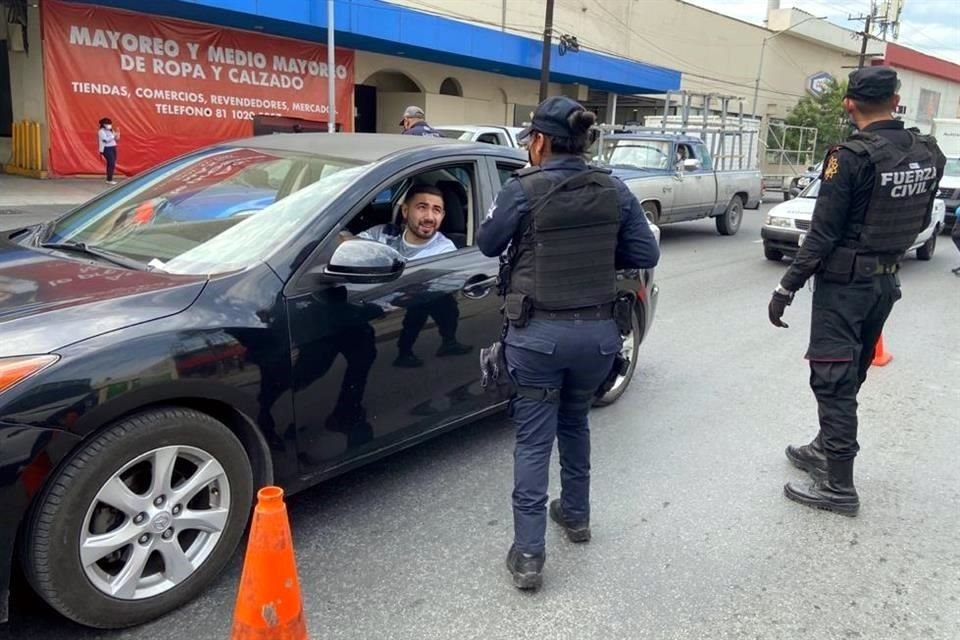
[(193, 72)]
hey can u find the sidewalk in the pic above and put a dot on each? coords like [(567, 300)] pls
[(17, 192)]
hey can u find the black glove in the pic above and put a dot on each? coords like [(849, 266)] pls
[(778, 304)]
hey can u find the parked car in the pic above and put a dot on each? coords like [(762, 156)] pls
[(787, 224), (801, 182), (488, 134), (950, 191), (154, 372), (674, 178)]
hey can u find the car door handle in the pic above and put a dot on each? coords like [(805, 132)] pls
[(479, 286)]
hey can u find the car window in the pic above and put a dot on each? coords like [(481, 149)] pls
[(383, 220), (505, 171), (489, 138), (703, 155), (218, 210)]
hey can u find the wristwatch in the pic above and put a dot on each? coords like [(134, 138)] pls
[(784, 292)]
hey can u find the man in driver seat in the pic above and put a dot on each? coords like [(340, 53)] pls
[(420, 235)]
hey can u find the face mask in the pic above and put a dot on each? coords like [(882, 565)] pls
[(109, 127)]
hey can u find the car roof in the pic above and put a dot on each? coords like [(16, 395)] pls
[(362, 147)]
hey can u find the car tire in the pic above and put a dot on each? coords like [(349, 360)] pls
[(631, 349), (926, 250), (772, 254), (652, 212), (729, 223), (95, 563)]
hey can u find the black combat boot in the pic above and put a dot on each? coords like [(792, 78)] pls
[(810, 457), (526, 569), (834, 492), (576, 531)]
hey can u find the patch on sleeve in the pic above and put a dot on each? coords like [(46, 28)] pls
[(832, 168), (490, 211)]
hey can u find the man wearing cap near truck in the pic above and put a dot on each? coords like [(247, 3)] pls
[(415, 124), (876, 196)]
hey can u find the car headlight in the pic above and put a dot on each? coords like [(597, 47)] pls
[(15, 370), (777, 221)]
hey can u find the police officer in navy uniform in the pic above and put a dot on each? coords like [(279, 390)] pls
[(876, 196), (569, 227)]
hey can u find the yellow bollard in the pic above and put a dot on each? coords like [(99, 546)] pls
[(26, 158)]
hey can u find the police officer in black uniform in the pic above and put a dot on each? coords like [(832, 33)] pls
[(876, 196), (569, 227)]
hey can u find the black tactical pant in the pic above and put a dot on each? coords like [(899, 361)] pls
[(846, 324)]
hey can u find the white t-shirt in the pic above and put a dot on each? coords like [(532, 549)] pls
[(107, 138), (385, 234)]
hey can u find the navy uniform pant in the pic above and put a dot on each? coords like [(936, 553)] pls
[(570, 359), (846, 323)]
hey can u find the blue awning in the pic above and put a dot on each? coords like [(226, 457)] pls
[(381, 27)]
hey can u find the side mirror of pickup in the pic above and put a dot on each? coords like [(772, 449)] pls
[(690, 164), (362, 262)]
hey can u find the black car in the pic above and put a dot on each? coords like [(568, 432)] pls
[(801, 182), (174, 344)]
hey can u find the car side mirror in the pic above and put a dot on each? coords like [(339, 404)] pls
[(811, 168), (362, 262), (691, 164)]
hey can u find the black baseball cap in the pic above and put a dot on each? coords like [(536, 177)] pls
[(872, 84), (551, 118)]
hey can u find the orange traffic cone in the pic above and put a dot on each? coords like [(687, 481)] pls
[(881, 357), (268, 603)]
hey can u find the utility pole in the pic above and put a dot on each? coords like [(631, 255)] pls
[(545, 61), (866, 39)]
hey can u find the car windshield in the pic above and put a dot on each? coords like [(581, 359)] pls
[(456, 134), (635, 154), (812, 190), (952, 168), (221, 209)]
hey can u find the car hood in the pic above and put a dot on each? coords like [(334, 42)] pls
[(48, 302), (950, 182), (798, 208)]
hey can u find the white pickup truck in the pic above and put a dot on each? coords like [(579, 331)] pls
[(489, 134)]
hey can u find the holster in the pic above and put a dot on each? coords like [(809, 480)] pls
[(623, 312), (493, 369), (620, 367), (839, 266), (516, 309)]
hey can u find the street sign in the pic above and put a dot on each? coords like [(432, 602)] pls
[(818, 82)]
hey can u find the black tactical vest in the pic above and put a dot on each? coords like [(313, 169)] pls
[(564, 257), (905, 182)]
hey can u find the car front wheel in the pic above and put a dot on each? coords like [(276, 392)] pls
[(926, 250), (139, 520), (630, 350)]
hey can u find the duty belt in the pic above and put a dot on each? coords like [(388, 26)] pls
[(600, 312), (876, 265)]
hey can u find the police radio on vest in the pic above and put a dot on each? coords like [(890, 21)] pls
[(909, 183)]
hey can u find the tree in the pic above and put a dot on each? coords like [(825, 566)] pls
[(824, 113)]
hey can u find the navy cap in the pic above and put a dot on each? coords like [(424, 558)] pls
[(872, 83), (551, 118)]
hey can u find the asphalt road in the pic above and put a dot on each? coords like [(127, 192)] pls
[(692, 535)]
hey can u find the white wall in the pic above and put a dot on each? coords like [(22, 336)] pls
[(911, 85)]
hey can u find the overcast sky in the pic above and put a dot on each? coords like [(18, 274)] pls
[(931, 26)]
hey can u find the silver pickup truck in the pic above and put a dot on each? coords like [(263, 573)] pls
[(675, 180)]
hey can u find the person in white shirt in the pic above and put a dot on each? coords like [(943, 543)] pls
[(107, 138), (420, 237)]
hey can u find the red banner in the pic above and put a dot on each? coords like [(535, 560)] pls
[(170, 86)]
